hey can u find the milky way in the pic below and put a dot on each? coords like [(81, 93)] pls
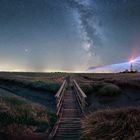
[(110, 25), (67, 35)]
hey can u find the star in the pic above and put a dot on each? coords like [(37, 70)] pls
[(26, 50)]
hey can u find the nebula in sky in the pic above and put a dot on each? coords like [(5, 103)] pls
[(67, 35)]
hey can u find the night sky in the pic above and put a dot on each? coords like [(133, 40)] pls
[(67, 35)]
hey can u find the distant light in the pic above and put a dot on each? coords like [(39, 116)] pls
[(131, 61)]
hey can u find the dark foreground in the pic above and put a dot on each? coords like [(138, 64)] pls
[(27, 108)]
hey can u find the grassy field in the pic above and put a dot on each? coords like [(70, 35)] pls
[(114, 106), (110, 124), (21, 110), (24, 76), (111, 90), (113, 103), (17, 116), (121, 79), (36, 84)]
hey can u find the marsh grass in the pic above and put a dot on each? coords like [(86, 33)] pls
[(41, 85), (17, 111), (109, 90), (101, 89), (87, 88), (113, 124), (35, 84)]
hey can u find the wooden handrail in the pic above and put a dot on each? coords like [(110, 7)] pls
[(80, 90), (60, 90), (59, 99), (81, 96)]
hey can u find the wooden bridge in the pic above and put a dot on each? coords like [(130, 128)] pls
[(71, 102)]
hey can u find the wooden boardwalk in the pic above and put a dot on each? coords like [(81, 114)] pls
[(69, 111)]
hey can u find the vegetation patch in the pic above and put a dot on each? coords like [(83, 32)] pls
[(114, 124), (108, 90), (98, 85), (101, 89), (87, 88), (17, 112), (41, 85), (37, 85)]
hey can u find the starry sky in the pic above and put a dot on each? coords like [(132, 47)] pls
[(67, 35)]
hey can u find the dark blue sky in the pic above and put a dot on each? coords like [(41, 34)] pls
[(67, 35)]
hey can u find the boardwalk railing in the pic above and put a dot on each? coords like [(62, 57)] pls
[(81, 97), (59, 101), (59, 97)]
